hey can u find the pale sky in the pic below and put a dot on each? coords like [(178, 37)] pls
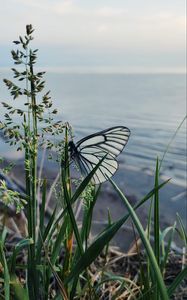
[(99, 35)]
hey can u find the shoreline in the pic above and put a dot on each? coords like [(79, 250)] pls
[(135, 185)]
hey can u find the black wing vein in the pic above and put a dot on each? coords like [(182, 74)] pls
[(107, 144)]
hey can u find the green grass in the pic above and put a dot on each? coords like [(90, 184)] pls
[(58, 254)]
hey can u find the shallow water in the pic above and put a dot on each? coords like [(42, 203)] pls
[(152, 106)]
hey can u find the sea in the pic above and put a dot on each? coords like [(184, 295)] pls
[(152, 106)]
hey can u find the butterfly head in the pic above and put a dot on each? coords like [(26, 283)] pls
[(72, 148)]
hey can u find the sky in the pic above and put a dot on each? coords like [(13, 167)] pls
[(99, 35)]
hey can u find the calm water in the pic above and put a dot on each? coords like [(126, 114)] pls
[(152, 106)]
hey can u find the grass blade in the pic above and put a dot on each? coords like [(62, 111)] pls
[(59, 282), (183, 233), (87, 218), (71, 214), (77, 193), (171, 140), (58, 243), (42, 209), (22, 244), (21, 293), (104, 238), (177, 281), (156, 217), (95, 249), (171, 230), (42, 238), (156, 225), (145, 241), (5, 272)]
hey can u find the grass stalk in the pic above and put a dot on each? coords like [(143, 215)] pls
[(31, 178), (156, 226), (70, 216), (34, 152), (6, 272), (171, 141)]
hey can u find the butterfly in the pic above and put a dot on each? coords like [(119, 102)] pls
[(106, 145)]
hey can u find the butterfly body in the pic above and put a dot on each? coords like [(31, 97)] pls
[(107, 144), (72, 149)]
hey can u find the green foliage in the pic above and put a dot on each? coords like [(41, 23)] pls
[(57, 251), (6, 274), (10, 197)]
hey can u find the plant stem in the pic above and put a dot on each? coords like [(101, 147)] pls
[(67, 194), (34, 151), (31, 179)]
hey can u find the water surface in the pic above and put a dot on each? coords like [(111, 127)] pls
[(152, 106)]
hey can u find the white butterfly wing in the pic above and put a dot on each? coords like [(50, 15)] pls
[(108, 143)]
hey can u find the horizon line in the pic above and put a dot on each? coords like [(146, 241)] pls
[(105, 70)]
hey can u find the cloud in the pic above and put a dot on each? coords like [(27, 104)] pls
[(42, 4), (95, 27), (102, 28), (66, 8), (108, 11)]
